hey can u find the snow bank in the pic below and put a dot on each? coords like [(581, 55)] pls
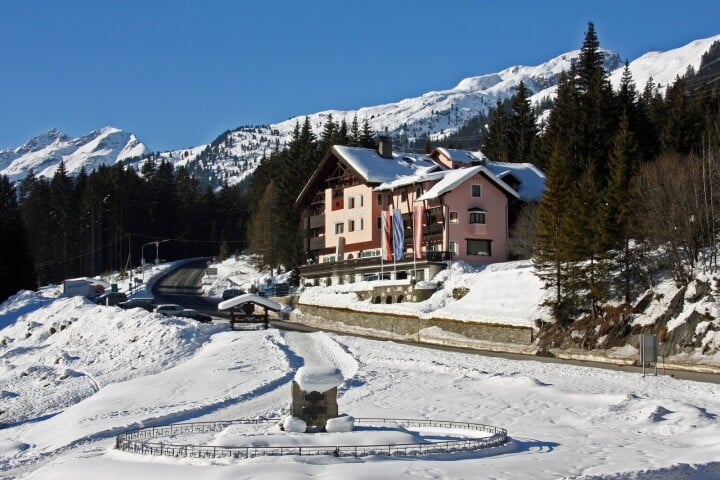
[(294, 424), (343, 423), (57, 355), (506, 293)]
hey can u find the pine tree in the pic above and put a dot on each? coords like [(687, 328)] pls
[(551, 258), (495, 142), (597, 116), (587, 242), (367, 137), (61, 215), (341, 136), (263, 237), (328, 135), (522, 130), (563, 127), (354, 132), (623, 165), (16, 265)]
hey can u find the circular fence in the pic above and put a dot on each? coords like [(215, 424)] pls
[(144, 440)]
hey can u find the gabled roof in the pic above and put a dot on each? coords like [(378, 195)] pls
[(368, 165), (250, 298), (453, 178), (375, 169)]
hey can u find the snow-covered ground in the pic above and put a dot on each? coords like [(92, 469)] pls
[(73, 375)]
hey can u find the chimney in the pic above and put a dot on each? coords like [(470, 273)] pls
[(385, 147)]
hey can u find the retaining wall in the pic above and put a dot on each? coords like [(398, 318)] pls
[(392, 325)]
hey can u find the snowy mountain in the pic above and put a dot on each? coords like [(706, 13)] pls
[(234, 155), (231, 157), (43, 153)]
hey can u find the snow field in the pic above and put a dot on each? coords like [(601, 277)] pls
[(66, 394)]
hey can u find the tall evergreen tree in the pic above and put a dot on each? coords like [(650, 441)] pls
[(586, 238), (623, 165), (341, 136), (367, 136), (16, 265), (61, 214), (551, 258), (495, 142), (263, 236), (328, 135), (597, 115), (354, 132), (522, 130)]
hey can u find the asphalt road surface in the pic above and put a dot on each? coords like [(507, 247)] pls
[(183, 286)]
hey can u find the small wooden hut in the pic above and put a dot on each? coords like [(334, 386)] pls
[(244, 309)]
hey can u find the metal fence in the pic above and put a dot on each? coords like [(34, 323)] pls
[(140, 441)]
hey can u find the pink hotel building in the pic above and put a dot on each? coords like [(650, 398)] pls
[(455, 205)]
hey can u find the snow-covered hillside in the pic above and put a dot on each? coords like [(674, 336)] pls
[(234, 155), (43, 153), (231, 157), (74, 374)]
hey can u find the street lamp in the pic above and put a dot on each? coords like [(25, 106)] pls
[(157, 254)]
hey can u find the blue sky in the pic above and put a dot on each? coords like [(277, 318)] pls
[(178, 73)]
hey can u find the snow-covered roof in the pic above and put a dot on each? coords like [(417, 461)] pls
[(532, 179), (249, 297), (375, 169), (462, 155), (318, 379), (410, 180), (453, 178)]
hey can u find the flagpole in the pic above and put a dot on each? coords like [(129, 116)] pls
[(383, 246), (414, 244)]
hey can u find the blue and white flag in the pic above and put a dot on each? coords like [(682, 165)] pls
[(398, 234)]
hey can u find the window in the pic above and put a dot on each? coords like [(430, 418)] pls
[(362, 223), (351, 225), (478, 247), (361, 200), (454, 218), (476, 191), (476, 217), (454, 247), (418, 191), (379, 223), (351, 202), (339, 227), (379, 199), (403, 196)]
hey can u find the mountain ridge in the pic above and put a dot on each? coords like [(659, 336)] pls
[(234, 154)]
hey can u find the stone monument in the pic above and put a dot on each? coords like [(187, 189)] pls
[(314, 395)]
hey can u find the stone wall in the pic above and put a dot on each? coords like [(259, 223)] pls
[(396, 294), (391, 325)]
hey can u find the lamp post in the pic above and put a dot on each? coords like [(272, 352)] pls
[(157, 250), (157, 253)]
